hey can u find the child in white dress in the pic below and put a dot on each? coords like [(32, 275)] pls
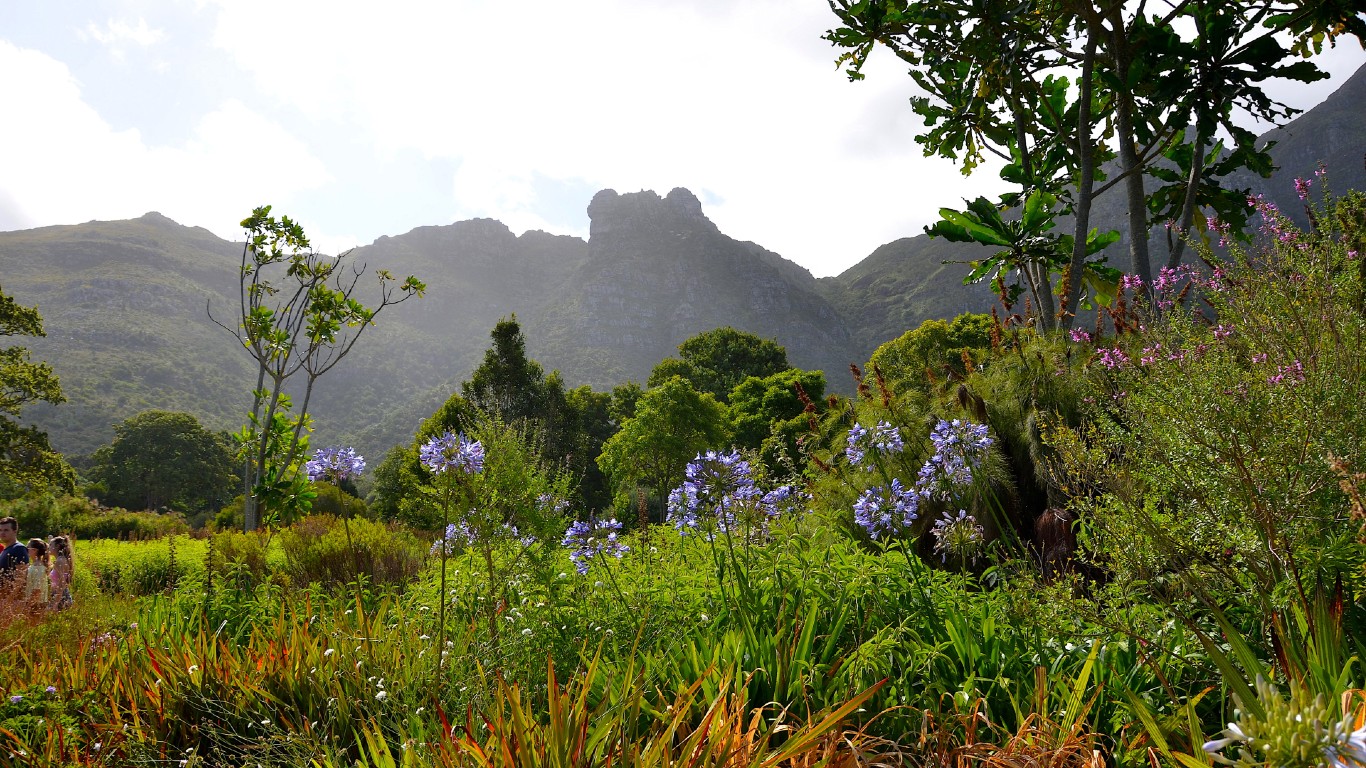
[(36, 590)]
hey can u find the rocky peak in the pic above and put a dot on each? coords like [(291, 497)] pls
[(611, 212)]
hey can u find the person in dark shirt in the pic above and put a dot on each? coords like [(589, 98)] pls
[(13, 560)]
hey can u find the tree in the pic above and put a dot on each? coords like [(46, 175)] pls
[(673, 422), (163, 459), (298, 317), (593, 426), (768, 413), (715, 361), (992, 71), (935, 347), (569, 426), (516, 389), (27, 461)]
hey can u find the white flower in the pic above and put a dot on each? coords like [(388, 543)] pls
[(329, 651), (193, 669), (1350, 749), (381, 696)]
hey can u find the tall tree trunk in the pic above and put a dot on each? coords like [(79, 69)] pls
[(1086, 182), (1040, 282), (1139, 264), (1193, 179)]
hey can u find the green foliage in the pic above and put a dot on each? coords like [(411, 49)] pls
[(52, 515), (936, 348), (161, 459), (673, 422), (333, 551), (395, 478), (768, 414), (140, 568), (716, 361), (568, 427), (27, 462), (235, 551), (1227, 430), (336, 502)]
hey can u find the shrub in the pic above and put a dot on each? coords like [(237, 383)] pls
[(336, 502), (46, 514), (235, 549), (330, 550)]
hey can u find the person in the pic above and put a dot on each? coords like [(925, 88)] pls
[(13, 559), (36, 589), (60, 574)]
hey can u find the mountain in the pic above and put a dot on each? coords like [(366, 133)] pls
[(124, 304), (657, 272)]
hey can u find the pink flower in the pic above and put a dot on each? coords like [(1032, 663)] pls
[(1113, 358), (1302, 188), (1078, 335)]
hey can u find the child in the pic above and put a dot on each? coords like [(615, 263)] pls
[(61, 573), (36, 592)]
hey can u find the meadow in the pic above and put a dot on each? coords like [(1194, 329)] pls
[(1139, 543)]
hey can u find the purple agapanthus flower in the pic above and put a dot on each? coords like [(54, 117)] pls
[(882, 511), (334, 464), (719, 490), (457, 535), (960, 447), (884, 439), (586, 539), (453, 451), (959, 535)]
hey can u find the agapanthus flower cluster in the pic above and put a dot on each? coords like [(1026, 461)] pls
[(334, 464), (885, 511), (960, 447), (552, 503), (1294, 730), (457, 535), (460, 535), (719, 489), (587, 539), (453, 451), (959, 536), (884, 439)]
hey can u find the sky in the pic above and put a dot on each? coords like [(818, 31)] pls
[(365, 119)]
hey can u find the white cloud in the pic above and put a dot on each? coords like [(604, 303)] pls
[(63, 160), (117, 34), (615, 93)]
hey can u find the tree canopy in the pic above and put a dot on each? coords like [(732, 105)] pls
[(164, 459), (715, 361), (27, 461), (673, 422), (1055, 89)]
